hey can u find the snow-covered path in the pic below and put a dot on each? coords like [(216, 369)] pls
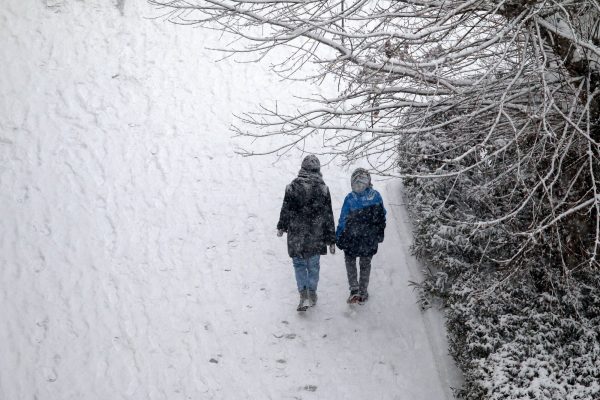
[(138, 256)]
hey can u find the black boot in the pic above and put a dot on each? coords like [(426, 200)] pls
[(363, 296), (354, 297)]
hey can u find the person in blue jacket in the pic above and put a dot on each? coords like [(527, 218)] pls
[(360, 230)]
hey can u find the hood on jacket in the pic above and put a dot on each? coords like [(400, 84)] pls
[(360, 180), (311, 164)]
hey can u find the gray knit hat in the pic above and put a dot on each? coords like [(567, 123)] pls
[(360, 180)]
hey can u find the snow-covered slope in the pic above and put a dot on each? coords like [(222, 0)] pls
[(138, 256)]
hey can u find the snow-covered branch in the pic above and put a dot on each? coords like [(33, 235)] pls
[(501, 94)]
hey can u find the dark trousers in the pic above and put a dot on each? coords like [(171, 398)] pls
[(361, 284)]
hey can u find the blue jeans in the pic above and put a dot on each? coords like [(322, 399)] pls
[(307, 272)]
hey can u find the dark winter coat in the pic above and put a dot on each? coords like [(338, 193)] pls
[(306, 215), (362, 223)]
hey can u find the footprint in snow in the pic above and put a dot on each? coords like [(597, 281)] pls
[(288, 336)]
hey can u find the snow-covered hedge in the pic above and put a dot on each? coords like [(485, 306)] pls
[(515, 333), (515, 343)]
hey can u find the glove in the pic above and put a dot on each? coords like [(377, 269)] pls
[(279, 232), (332, 248)]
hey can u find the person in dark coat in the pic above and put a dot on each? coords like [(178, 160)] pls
[(307, 218), (360, 230)]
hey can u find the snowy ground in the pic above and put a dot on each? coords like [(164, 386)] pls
[(138, 256)]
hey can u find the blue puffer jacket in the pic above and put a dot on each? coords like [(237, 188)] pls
[(362, 223)]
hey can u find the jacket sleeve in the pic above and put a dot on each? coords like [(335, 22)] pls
[(284, 215), (329, 228), (343, 218), (381, 220)]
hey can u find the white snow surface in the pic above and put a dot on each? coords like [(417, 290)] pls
[(138, 256)]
